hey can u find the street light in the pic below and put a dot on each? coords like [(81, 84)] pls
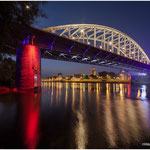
[(100, 46), (27, 7)]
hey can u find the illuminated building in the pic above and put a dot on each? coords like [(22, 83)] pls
[(124, 76), (77, 77), (67, 77), (93, 72), (59, 76)]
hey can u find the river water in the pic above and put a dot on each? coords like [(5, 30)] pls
[(77, 115)]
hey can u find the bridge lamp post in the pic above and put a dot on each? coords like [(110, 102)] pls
[(110, 45), (82, 34)]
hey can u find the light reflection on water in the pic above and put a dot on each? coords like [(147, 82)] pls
[(123, 113), (77, 115), (81, 128)]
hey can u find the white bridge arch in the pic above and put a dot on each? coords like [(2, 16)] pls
[(102, 37)]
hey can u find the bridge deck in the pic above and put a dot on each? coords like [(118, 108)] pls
[(56, 47)]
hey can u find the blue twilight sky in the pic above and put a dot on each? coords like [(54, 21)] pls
[(132, 18)]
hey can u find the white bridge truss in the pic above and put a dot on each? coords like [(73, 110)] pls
[(102, 37)]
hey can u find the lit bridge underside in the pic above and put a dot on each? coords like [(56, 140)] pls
[(54, 46)]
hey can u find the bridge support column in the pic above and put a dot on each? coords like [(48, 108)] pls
[(28, 68)]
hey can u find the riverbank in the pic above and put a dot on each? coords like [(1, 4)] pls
[(91, 81), (4, 90)]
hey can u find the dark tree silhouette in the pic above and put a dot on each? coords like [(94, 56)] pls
[(12, 13), (7, 72), (104, 74), (24, 12)]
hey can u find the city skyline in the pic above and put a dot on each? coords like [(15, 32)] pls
[(93, 71)]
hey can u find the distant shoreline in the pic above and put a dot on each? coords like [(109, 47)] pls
[(91, 81)]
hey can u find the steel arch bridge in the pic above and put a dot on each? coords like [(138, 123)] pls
[(89, 44), (102, 37)]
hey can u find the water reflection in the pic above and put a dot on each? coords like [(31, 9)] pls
[(66, 95), (109, 123), (73, 95), (143, 92), (81, 127), (29, 105), (77, 115), (122, 118)]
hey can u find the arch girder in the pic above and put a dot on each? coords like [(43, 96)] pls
[(103, 37)]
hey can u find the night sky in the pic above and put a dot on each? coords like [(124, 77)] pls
[(131, 18)]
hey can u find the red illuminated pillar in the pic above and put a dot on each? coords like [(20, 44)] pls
[(28, 68)]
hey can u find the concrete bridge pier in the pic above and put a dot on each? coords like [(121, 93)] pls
[(28, 68)]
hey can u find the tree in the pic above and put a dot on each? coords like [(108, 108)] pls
[(103, 74), (112, 74), (12, 13), (7, 72), (21, 12)]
